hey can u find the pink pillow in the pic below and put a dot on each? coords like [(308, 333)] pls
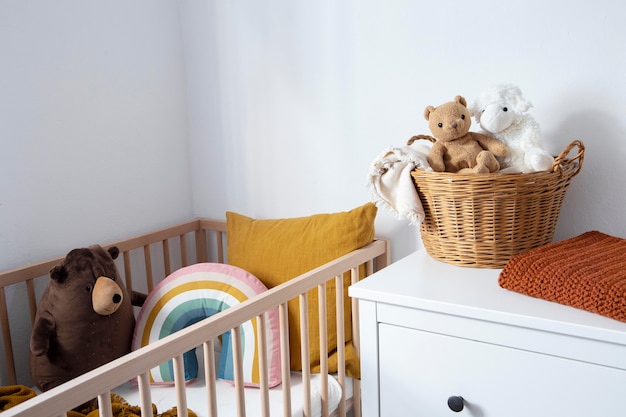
[(194, 293)]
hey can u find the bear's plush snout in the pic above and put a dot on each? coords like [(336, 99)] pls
[(106, 297)]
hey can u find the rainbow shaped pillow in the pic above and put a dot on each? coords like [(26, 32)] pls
[(194, 293)]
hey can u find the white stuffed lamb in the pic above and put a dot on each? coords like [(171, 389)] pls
[(501, 111)]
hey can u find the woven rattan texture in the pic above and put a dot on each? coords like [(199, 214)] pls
[(482, 220), (586, 272)]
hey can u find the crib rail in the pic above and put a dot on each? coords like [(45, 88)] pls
[(99, 382), (144, 261)]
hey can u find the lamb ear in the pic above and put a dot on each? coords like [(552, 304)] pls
[(460, 100), (58, 273), (114, 251), (522, 105), (427, 112), (475, 111)]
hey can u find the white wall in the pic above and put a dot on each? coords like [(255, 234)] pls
[(288, 104), (291, 101), (93, 124), (93, 131)]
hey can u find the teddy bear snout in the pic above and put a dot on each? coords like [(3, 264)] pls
[(106, 296)]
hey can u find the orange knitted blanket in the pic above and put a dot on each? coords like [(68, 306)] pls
[(586, 272)]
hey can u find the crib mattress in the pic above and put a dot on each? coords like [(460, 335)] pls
[(164, 397)]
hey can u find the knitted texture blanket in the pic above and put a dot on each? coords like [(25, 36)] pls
[(586, 272), (120, 408), (12, 395)]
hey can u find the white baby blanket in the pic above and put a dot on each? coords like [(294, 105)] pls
[(390, 182)]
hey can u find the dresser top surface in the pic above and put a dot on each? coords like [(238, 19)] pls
[(420, 282)]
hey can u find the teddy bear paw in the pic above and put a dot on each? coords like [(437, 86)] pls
[(486, 162)]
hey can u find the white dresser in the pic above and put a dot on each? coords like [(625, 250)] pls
[(432, 332)]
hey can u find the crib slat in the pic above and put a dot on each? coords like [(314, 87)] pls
[(323, 318), (240, 398), (201, 246), (145, 396), (356, 337), (283, 322), (305, 354), (105, 408), (166, 257), (341, 343), (6, 338), (179, 385), (220, 247), (127, 271), (263, 366), (217, 229), (147, 260), (183, 250), (209, 376), (32, 299)]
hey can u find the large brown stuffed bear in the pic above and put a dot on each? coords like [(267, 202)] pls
[(456, 148), (84, 319)]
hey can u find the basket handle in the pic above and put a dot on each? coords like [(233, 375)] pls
[(561, 160), (417, 137)]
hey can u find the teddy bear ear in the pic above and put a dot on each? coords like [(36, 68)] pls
[(460, 100), (113, 251), (427, 112), (58, 273)]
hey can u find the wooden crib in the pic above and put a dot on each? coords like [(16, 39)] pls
[(146, 260)]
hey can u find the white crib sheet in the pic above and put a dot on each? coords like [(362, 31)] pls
[(164, 397)]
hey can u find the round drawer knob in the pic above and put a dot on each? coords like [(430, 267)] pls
[(455, 403)]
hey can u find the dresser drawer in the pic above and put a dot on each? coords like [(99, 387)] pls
[(420, 370)]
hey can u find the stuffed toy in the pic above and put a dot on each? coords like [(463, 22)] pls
[(456, 149), (502, 111), (84, 319)]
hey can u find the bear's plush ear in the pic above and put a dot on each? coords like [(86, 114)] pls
[(460, 100), (58, 273), (113, 251), (427, 112)]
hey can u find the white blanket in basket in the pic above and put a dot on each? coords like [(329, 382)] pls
[(390, 183)]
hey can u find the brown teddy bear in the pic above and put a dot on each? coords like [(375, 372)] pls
[(455, 148), (84, 319)]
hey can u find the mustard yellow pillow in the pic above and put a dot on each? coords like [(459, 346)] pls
[(280, 249)]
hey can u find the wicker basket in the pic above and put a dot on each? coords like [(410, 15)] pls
[(482, 220)]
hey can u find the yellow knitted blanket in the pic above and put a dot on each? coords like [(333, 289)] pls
[(13, 395)]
